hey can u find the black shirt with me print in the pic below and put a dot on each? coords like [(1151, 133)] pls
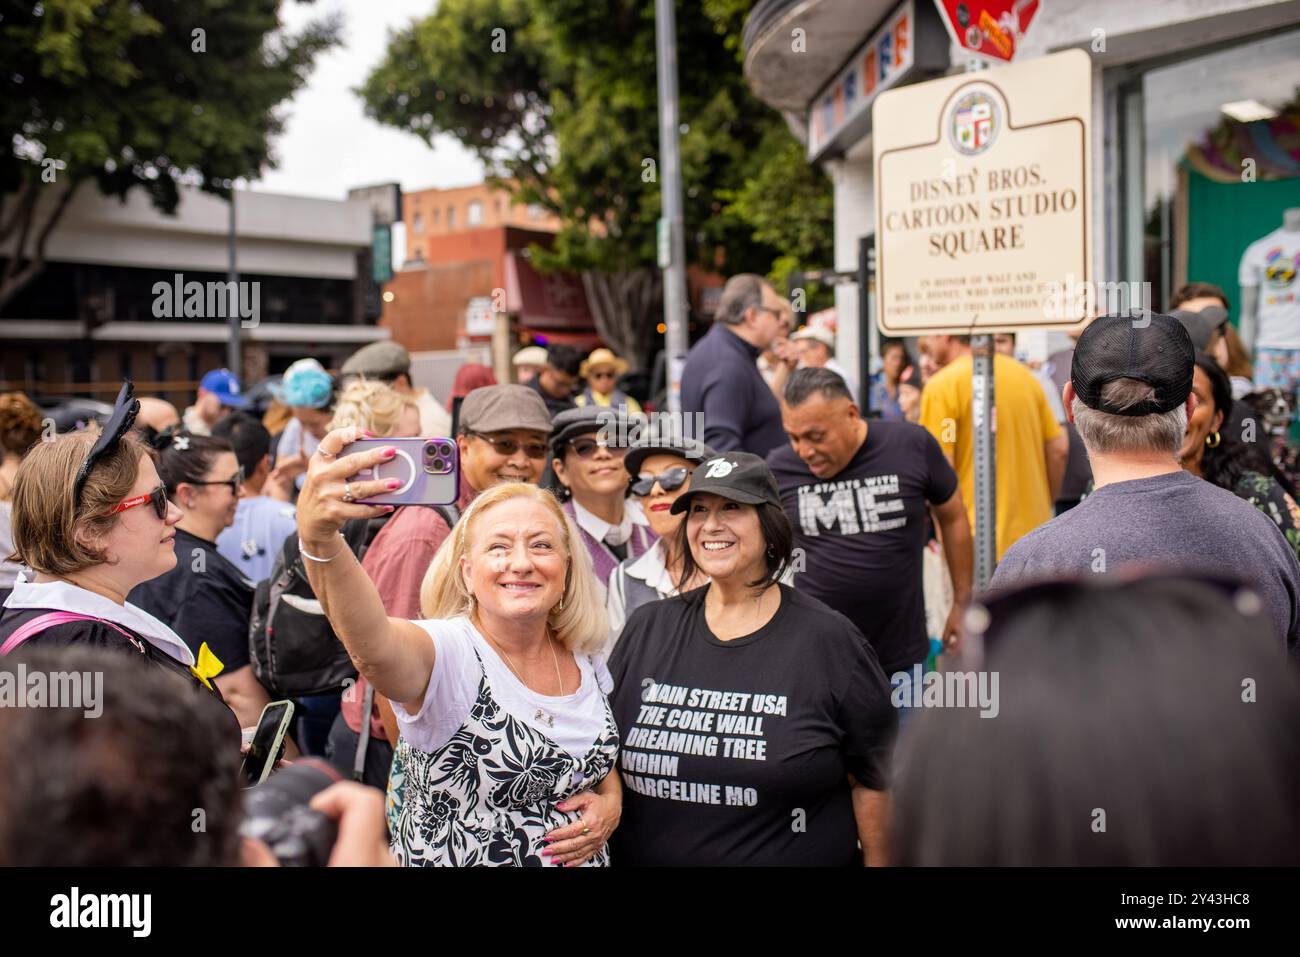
[(862, 533)]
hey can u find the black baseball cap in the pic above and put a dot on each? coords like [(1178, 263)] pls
[(740, 476), (666, 443), (1150, 347), (1198, 326)]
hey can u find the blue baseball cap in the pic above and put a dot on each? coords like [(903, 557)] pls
[(225, 386), (305, 383)]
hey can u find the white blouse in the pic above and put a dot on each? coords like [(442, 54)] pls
[(579, 717)]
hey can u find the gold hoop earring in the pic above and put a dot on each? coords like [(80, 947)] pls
[(1213, 440)]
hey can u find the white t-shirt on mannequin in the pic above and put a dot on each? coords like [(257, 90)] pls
[(1271, 264)]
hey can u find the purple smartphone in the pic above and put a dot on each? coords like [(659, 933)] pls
[(429, 470)]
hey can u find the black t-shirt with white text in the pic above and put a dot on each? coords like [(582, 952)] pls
[(739, 752), (863, 531), (204, 599)]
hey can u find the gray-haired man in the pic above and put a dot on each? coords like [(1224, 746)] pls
[(1130, 395), (721, 379)]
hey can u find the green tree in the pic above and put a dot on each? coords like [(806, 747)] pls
[(560, 97), (151, 94)]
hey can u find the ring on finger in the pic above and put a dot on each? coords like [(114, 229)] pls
[(347, 493)]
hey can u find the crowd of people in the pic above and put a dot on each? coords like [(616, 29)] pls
[(631, 641)]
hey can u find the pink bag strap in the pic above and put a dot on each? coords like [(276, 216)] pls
[(49, 620)]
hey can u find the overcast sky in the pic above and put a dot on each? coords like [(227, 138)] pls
[(328, 144)]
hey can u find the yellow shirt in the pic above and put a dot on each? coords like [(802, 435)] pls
[(1022, 423), (633, 406)]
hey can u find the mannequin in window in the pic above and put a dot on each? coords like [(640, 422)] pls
[(1270, 305)]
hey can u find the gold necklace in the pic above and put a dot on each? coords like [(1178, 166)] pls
[(540, 715)]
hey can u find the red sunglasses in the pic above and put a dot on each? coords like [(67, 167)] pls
[(158, 497)]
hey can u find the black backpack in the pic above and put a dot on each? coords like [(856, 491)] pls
[(291, 646)]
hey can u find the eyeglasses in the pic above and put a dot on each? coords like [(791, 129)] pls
[(508, 445), (608, 374), (158, 497), (235, 481), (586, 448), (669, 481)]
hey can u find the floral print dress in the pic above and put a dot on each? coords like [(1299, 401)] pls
[(1264, 492), (488, 796)]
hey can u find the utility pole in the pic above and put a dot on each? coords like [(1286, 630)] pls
[(232, 308), (671, 240)]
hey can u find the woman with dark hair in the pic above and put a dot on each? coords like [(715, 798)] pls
[(204, 598), (755, 721), (891, 395), (1121, 738), (20, 429), (1216, 450), (593, 484), (661, 469)]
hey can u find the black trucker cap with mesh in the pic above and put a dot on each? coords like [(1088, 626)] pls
[(1149, 347)]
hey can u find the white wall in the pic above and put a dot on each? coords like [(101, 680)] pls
[(278, 235)]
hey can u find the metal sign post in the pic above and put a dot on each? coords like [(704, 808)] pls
[(672, 239), (232, 313), (986, 475), (986, 498)]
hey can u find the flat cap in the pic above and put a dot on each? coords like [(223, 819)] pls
[(379, 360), (493, 408)]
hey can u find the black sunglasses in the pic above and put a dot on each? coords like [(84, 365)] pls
[(669, 481), (586, 447), (234, 481), (509, 445)]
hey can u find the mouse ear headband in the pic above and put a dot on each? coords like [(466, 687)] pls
[(119, 423)]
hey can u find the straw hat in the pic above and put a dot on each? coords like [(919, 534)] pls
[(603, 357)]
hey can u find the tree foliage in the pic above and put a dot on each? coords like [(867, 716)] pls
[(147, 94), (560, 97)]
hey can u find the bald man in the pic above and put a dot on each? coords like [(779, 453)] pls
[(156, 414)]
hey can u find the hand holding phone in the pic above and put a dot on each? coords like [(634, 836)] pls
[(428, 470), (267, 740)]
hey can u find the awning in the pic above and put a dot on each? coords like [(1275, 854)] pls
[(546, 301), (583, 340)]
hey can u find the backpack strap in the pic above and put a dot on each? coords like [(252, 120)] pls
[(50, 620), (448, 513), (363, 739)]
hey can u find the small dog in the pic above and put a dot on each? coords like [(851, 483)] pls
[(1276, 411)]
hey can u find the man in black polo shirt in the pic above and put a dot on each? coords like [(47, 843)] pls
[(857, 495), (721, 379)]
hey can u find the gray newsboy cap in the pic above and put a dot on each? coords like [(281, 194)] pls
[(492, 408), (379, 360)]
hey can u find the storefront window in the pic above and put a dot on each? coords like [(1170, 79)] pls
[(1210, 162)]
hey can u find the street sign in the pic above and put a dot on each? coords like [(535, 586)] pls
[(382, 254), (983, 200), (988, 28), (384, 200)]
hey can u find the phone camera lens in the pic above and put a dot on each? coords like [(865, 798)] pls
[(444, 449), (439, 465)]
